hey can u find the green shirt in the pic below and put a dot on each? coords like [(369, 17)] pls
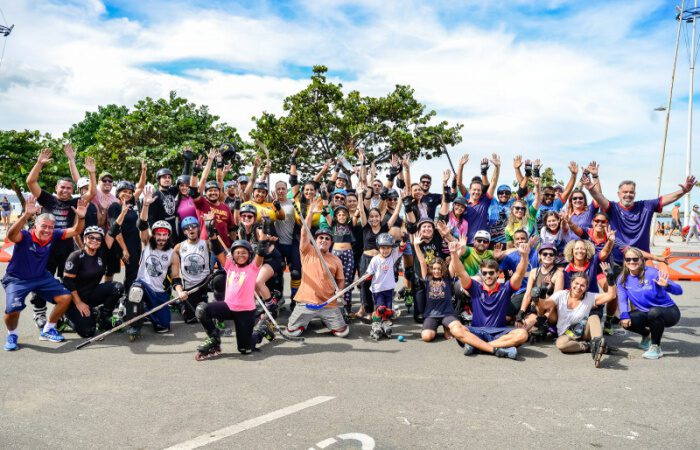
[(528, 224), (472, 260)]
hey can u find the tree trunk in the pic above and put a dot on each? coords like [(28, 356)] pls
[(20, 195)]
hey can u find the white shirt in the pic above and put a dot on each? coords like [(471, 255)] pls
[(382, 270), (566, 316)]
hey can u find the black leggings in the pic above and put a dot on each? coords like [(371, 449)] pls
[(107, 295), (655, 321), (365, 292), (244, 322)]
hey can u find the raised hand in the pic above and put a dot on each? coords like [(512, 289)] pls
[(81, 210), (257, 161), (498, 250), (44, 156), (573, 167), (148, 197), (417, 238), (464, 159), (593, 168), (517, 161), (125, 209), (688, 185), (453, 246), (30, 206), (90, 164), (361, 155), (69, 151), (212, 153), (144, 166), (533, 241), (495, 160), (406, 161), (662, 280), (446, 176), (524, 250), (537, 164), (610, 233), (587, 183)]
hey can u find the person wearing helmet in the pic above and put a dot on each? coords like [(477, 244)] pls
[(242, 266), (265, 209), (158, 259), (185, 203), (498, 212), (26, 271), (287, 239), (207, 199), (232, 195), (455, 219), (83, 185), (93, 301), (195, 264), (128, 248), (480, 196), (383, 283), (316, 288), (61, 205)]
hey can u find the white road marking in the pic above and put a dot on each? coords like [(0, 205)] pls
[(208, 438), (367, 442)]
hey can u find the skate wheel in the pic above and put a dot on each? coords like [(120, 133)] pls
[(132, 338), (199, 357)]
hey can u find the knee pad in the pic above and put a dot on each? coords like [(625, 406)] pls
[(409, 274), (283, 266), (217, 284), (296, 332), (295, 274), (201, 311), (341, 332), (136, 293)]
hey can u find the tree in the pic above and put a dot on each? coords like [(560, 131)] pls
[(154, 131), (18, 153), (324, 123)]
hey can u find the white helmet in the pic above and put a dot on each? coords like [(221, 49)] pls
[(161, 224), (82, 182), (93, 229)]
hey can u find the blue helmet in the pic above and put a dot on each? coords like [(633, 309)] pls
[(187, 221)]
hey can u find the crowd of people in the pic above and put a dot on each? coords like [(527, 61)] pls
[(493, 265)]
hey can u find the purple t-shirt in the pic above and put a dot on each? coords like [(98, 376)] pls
[(584, 219), (489, 308), (29, 258), (634, 225), (478, 216)]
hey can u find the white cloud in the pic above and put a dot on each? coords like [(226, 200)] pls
[(579, 86)]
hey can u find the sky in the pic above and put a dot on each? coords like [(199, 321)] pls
[(556, 80)]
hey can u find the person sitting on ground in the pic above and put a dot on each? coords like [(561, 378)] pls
[(647, 289)]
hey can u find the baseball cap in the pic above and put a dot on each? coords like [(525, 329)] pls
[(483, 234)]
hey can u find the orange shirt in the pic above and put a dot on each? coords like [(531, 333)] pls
[(315, 286)]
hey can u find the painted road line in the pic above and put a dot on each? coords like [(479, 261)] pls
[(208, 438)]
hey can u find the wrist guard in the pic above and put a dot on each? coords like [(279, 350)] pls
[(520, 316), (442, 217), (142, 225), (484, 168), (292, 160), (216, 247), (407, 202), (262, 248), (197, 169), (610, 277), (211, 229), (324, 211), (219, 163), (115, 230), (177, 281), (393, 172), (536, 171), (528, 170)]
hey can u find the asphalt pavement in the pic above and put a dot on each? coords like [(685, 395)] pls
[(347, 393)]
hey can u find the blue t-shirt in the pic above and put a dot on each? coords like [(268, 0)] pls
[(618, 250), (510, 264), (498, 218), (478, 216), (633, 225), (584, 219), (645, 294), (438, 298), (489, 308), (592, 270), (29, 258)]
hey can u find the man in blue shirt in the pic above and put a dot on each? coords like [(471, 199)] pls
[(27, 272)]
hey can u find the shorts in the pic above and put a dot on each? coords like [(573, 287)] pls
[(274, 260), (16, 290), (383, 298), (5, 213), (332, 318), (675, 225), (488, 334), (432, 323), (408, 251)]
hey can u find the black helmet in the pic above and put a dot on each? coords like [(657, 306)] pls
[(425, 220), (462, 201), (240, 243), (227, 151), (341, 208), (261, 185), (324, 230), (163, 172), (183, 179), (248, 208), (124, 185), (385, 240), (211, 185), (392, 193)]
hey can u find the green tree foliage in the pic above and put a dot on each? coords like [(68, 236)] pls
[(154, 131), (324, 123), (18, 153)]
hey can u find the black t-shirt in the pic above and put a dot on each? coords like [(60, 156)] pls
[(369, 237), (65, 217), (164, 207), (342, 233), (91, 215), (387, 216), (433, 249), (431, 201), (88, 270), (130, 231)]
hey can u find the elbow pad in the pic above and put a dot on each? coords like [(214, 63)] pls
[(522, 192), (70, 284), (411, 227), (262, 248), (115, 230), (177, 281), (142, 225), (400, 183)]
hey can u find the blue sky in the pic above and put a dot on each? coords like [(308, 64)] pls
[(560, 80)]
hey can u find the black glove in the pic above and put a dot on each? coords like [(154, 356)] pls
[(393, 172), (610, 276), (277, 205), (407, 202), (520, 316), (484, 168), (211, 229), (536, 171), (528, 169), (384, 193)]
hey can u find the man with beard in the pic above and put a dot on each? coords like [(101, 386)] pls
[(157, 260), (211, 203), (195, 264), (61, 206)]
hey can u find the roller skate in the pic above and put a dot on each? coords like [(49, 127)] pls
[(133, 332), (376, 331), (264, 329), (540, 330), (598, 349), (407, 297), (210, 348), (386, 328), (104, 319)]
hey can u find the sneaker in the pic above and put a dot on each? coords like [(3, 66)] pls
[(654, 352), (40, 319), (62, 326), (468, 350), (608, 328), (11, 343), (507, 352), (52, 335), (645, 344), (160, 329)]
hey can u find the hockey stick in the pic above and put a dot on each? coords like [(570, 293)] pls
[(100, 337), (444, 149), (286, 336), (338, 294)]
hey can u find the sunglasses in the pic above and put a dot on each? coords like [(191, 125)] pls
[(547, 254), (634, 260), (247, 216), (488, 273), (190, 227), (519, 208), (339, 197), (548, 195), (323, 238), (578, 199), (600, 221), (481, 240), (107, 180), (426, 182), (503, 192), (94, 238)]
